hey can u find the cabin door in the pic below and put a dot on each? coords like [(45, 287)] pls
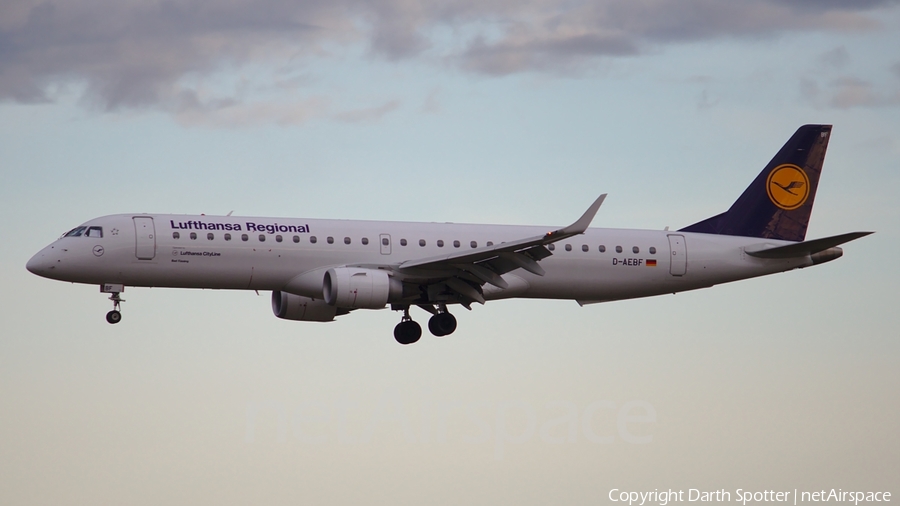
[(678, 257), (144, 238)]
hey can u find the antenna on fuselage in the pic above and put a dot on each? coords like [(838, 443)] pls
[(229, 212)]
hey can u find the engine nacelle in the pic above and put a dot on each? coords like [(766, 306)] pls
[(288, 306), (354, 287)]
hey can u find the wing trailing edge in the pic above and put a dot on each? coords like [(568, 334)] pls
[(488, 252)]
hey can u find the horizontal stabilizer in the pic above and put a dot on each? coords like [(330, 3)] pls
[(803, 248)]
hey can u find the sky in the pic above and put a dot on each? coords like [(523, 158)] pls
[(486, 112)]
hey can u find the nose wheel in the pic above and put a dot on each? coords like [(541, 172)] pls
[(115, 316)]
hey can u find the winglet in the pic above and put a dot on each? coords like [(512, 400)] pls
[(582, 224)]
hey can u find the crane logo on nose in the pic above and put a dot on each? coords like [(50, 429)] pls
[(98, 250)]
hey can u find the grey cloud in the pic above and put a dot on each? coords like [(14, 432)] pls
[(837, 57), (836, 4), (542, 52), (132, 54), (577, 33), (895, 68), (129, 54), (706, 101)]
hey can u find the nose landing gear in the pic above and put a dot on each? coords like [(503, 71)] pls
[(114, 316)]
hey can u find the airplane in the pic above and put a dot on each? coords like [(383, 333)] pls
[(318, 269)]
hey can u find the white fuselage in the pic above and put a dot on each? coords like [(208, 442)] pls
[(227, 252)]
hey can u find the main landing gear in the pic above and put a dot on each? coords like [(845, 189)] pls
[(407, 331), (441, 324)]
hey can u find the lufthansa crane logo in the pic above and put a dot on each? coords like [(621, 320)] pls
[(788, 186)]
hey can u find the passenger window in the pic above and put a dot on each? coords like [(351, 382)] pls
[(95, 232), (473, 244), (227, 237), (402, 242), (568, 247), (312, 239), (296, 239), (652, 250), (329, 240), (490, 243), (176, 235), (422, 242), (193, 236), (551, 247), (602, 249), (262, 237), (346, 240), (440, 243), (385, 241), (278, 238), (244, 237), (584, 247), (455, 244), (618, 249), (365, 241), (636, 250), (210, 236)]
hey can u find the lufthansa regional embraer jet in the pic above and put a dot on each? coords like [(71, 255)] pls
[(320, 269)]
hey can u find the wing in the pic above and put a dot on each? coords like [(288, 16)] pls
[(459, 277)]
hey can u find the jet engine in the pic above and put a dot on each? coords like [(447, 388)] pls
[(358, 288), (288, 306)]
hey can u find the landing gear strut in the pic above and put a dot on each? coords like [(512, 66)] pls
[(407, 331), (115, 316)]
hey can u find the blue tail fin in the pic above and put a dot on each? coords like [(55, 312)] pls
[(778, 203)]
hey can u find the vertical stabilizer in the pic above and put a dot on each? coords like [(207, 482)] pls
[(778, 204)]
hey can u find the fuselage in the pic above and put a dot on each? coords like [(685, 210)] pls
[(248, 253)]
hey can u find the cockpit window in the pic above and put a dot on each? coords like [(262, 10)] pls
[(95, 232), (75, 232)]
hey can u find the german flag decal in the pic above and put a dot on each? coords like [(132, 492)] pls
[(651, 262)]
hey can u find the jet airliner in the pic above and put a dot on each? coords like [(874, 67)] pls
[(318, 269)]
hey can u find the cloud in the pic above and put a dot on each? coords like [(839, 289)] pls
[(847, 93), (190, 109), (836, 58), (136, 54), (850, 92), (367, 114), (431, 104)]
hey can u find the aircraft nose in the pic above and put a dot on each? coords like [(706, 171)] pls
[(41, 263)]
